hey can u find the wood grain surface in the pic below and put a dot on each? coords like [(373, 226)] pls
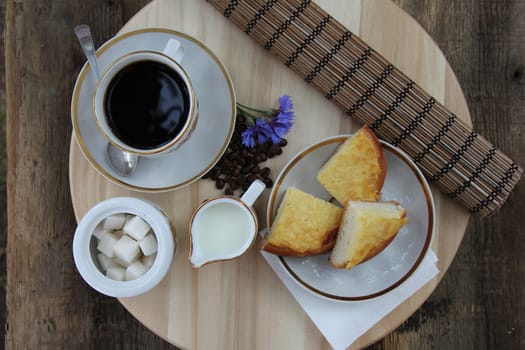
[(185, 308), (3, 167), (476, 305), (189, 307)]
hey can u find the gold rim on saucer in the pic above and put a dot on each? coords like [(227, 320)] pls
[(82, 144)]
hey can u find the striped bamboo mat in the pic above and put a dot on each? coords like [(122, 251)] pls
[(368, 87)]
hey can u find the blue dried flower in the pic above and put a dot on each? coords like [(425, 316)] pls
[(273, 125), (257, 133), (285, 104)]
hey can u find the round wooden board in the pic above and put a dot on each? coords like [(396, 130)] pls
[(242, 303)]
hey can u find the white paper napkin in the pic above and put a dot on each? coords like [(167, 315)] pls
[(342, 323)]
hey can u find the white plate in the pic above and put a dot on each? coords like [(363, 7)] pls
[(214, 90), (404, 183)]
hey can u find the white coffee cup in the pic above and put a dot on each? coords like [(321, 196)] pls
[(224, 228), (170, 57)]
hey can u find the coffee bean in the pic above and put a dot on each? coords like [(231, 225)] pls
[(274, 148), (274, 152), (265, 172), (240, 160), (250, 162), (262, 148), (245, 153), (215, 174), (240, 165)]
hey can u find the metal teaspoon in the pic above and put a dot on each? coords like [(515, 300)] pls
[(122, 162)]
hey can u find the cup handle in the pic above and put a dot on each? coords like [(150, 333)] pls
[(253, 192), (174, 49)]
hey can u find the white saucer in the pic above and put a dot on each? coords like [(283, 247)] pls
[(210, 139), (404, 183)]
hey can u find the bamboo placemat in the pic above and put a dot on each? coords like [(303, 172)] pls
[(368, 87)]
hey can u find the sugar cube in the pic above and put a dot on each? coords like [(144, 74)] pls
[(106, 262), (148, 260), (126, 249), (100, 231), (136, 227), (148, 244), (135, 270), (116, 273), (121, 262), (114, 222), (128, 217), (107, 244)]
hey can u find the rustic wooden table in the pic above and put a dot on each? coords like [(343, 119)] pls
[(479, 303)]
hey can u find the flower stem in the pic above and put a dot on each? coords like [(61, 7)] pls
[(250, 118), (243, 107)]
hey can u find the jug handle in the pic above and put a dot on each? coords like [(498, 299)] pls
[(253, 192)]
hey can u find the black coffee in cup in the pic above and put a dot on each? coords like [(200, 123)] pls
[(146, 104)]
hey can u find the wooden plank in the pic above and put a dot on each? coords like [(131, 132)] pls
[(49, 305), (3, 193)]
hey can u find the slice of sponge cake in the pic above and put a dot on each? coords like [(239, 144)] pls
[(366, 229), (357, 169), (304, 225)]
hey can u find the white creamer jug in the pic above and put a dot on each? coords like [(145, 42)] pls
[(223, 228)]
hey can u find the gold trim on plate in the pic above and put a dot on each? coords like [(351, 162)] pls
[(422, 182)]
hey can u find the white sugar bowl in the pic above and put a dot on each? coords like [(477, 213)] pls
[(123, 246)]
